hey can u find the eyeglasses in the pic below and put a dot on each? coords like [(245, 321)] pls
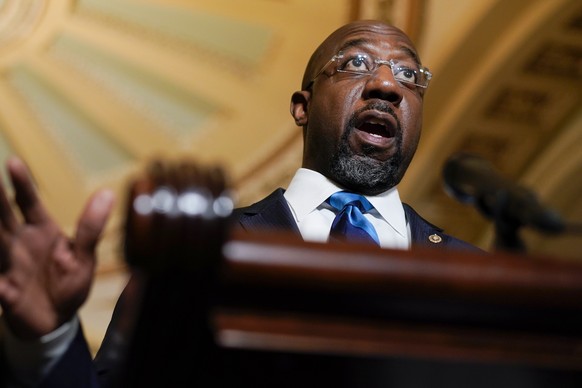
[(407, 72)]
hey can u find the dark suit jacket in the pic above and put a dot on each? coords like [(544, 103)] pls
[(271, 213)]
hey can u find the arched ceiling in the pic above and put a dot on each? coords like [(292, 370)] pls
[(512, 93), (93, 89)]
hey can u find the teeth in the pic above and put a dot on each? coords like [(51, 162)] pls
[(375, 123), (375, 135)]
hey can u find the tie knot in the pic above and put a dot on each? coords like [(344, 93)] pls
[(350, 224), (341, 199)]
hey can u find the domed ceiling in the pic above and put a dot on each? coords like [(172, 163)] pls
[(92, 90)]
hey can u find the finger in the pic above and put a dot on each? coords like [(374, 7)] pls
[(92, 222), (27, 199), (7, 217)]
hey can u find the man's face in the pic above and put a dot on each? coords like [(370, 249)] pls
[(361, 131)]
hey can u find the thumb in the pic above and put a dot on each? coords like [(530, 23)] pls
[(92, 221)]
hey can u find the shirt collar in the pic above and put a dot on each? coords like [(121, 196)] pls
[(309, 189), (389, 206)]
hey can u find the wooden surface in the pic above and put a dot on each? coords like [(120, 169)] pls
[(285, 294)]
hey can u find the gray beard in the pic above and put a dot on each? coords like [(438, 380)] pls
[(363, 173)]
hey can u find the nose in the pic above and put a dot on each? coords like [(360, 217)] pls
[(382, 85)]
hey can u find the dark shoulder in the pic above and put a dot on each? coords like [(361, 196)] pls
[(258, 207), (272, 213), (424, 233)]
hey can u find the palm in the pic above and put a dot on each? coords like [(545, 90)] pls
[(45, 277)]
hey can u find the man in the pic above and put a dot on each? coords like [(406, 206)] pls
[(360, 107)]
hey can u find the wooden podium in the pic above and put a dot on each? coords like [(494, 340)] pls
[(276, 311), (211, 308)]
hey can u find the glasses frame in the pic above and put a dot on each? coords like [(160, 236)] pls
[(377, 63)]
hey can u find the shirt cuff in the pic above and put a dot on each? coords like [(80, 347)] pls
[(30, 361)]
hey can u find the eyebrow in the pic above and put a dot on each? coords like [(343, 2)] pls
[(362, 42)]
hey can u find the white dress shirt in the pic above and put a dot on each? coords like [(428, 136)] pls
[(306, 196)]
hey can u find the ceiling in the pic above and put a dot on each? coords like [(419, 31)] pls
[(92, 90)]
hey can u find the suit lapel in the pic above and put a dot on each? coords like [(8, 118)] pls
[(420, 229), (271, 213)]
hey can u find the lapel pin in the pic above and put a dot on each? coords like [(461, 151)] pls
[(435, 238)]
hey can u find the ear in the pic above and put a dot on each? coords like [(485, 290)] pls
[(299, 107)]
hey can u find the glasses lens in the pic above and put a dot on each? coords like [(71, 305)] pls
[(406, 72), (354, 62)]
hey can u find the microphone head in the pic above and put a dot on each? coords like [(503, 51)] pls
[(467, 175), (471, 179)]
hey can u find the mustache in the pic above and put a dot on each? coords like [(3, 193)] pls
[(379, 106)]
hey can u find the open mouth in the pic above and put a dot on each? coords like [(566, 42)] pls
[(376, 129), (377, 124)]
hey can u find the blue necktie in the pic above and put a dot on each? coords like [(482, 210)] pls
[(349, 224)]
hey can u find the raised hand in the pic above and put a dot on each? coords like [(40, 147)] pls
[(44, 276)]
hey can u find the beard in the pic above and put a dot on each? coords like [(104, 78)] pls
[(364, 173)]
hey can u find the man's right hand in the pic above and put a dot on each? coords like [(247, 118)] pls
[(44, 276)]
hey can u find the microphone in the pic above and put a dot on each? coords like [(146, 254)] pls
[(472, 179)]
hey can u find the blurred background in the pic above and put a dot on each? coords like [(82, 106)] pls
[(91, 90)]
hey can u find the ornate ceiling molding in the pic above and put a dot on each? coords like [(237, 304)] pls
[(27, 25), (18, 20), (408, 15)]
